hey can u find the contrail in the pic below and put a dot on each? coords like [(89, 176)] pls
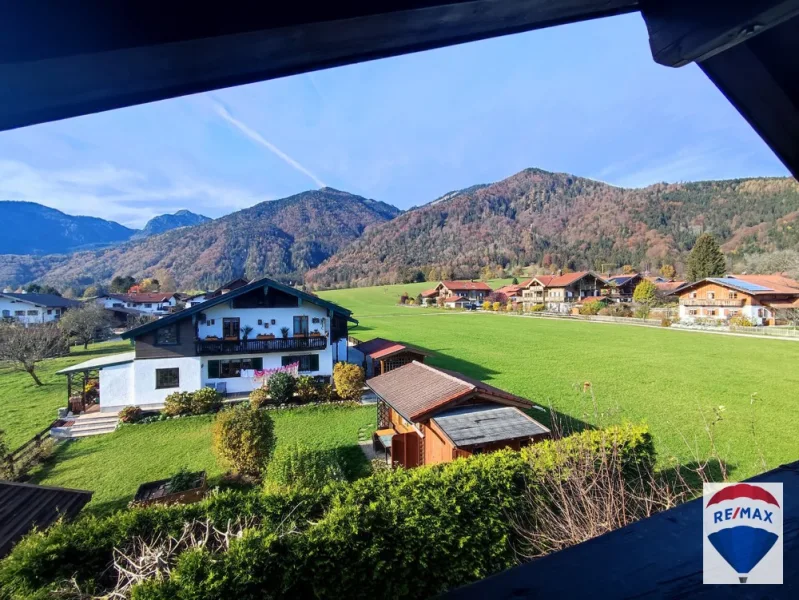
[(258, 138)]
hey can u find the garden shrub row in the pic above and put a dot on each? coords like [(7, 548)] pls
[(199, 402), (401, 534)]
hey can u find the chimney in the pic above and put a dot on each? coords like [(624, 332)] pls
[(560, 272)]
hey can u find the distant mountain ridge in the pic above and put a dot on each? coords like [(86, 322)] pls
[(163, 223), (280, 238), (538, 217), (31, 228)]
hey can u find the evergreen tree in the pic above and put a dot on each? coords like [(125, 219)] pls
[(706, 259)]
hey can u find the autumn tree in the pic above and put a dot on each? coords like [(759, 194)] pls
[(668, 271), (645, 293), (120, 284), (166, 280), (150, 284), (706, 259), (86, 323), (24, 347), (627, 269), (35, 288)]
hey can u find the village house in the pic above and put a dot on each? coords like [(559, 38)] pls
[(472, 291), (151, 303), (759, 298), (622, 287), (561, 293), (31, 308), (427, 415), (514, 292), (226, 342), (379, 355)]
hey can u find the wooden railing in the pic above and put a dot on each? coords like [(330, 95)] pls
[(711, 302), (22, 456), (260, 346)]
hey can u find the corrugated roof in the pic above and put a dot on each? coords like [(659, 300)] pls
[(46, 300), (98, 363), (486, 423), (24, 506)]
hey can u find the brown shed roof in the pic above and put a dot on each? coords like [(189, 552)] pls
[(381, 348), (415, 390), (24, 506), (461, 286)]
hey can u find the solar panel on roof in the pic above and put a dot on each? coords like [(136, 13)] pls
[(744, 285)]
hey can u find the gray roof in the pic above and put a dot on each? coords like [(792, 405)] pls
[(485, 423), (46, 300), (99, 363)]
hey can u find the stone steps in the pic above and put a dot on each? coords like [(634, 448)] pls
[(85, 425)]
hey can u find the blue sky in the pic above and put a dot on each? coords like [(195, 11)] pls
[(584, 98)]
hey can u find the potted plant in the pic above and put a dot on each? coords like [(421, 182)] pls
[(284, 331), (265, 336), (245, 332), (316, 333)]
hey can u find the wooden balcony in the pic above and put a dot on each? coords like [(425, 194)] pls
[(293, 344), (714, 302)]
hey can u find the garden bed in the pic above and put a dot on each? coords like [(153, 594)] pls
[(157, 492)]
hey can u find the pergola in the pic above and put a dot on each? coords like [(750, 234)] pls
[(84, 373)]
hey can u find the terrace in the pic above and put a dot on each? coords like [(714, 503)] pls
[(712, 302), (205, 347)]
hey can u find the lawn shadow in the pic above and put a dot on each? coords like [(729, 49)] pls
[(50, 466), (692, 475), (79, 352)]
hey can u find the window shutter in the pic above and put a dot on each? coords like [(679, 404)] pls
[(258, 363), (213, 369), (314, 362)]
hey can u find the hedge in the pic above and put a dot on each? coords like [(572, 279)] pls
[(400, 534)]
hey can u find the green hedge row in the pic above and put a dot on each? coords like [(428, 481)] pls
[(402, 534)]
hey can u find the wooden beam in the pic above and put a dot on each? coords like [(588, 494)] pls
[(59, 60), (685, 31)]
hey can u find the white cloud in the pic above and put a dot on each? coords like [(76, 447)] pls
[(118, 194), (259, 139)]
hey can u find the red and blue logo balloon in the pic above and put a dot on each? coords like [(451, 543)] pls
[(743, 523)]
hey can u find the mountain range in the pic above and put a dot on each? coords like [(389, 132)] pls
[(281, 238), (336, 239), (32, 228)]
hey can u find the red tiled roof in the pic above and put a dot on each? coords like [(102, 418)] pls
[(593, 298), (455, 299), (430, 293), (415, 390), (144, 296), (460, 286), (381, 348), (669, 286), (510, 290)]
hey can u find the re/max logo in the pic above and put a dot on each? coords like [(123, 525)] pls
[(742, 513)]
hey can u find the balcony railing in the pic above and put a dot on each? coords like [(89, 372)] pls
[(260, 346), (711, 302)]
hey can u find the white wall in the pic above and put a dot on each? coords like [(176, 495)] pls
[(284, 317), (724, 313), (156, 308), (144, 392), (8, 308), (116, 386)]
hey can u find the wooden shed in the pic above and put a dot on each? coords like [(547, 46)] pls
[(427, 415), (382, 355)]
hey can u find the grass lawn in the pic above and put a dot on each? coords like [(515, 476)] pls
[(673, 380), (25, 408), (113, 465)]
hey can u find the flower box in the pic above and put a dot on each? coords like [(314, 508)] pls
[(155, 492)]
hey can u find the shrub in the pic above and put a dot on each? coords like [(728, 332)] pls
[(281, 387), (741, 321), (349, 380), (130, 414), (177, 403), (456, 519), (307, 388), (487, 305), (642, 312), (243, 439), (181, 481), (591, 308), (205, 400), (296, 466), (645, 292), (326, 392), (259, 397), (496, 306), (537, 307), (665, 322)]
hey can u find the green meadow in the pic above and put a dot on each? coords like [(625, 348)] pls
[(695, 390)]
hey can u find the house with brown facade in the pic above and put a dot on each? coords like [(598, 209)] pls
[(381, 355), (427, 415), (473, 291), (622, 287), (760, 298), (561, 293)]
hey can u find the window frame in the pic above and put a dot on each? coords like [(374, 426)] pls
[(236, 364), (230, 321), (173, 326), (302, 319), (158, 374), (305, 360)]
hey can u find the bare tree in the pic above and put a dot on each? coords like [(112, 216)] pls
[(86, 323), (27, 346)]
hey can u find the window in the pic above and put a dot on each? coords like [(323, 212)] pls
[(733, 295), (33, 313), (167, 336), (167, 378), (148, 305), (693, 312), (222, 369), (300, 325), (693, 294), (6, 313), (711, 295), (308, 362), (49, 311), (19, 313), (231, 328)]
